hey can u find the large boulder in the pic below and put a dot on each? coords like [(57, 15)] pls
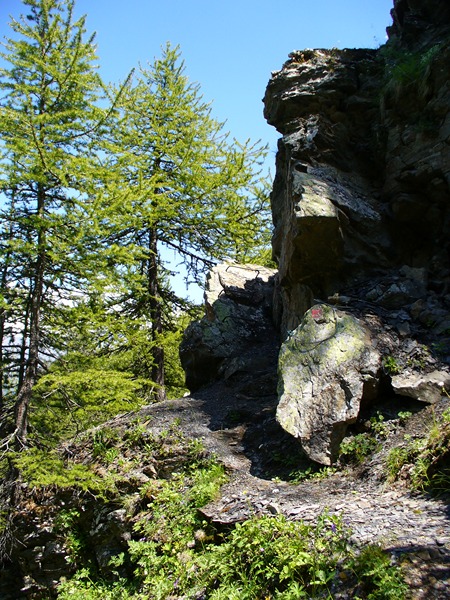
[(238, 303), (327, 368)]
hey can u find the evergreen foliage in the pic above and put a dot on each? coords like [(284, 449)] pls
[(177, 184), (48, 111), (41, 469), (97, 185)]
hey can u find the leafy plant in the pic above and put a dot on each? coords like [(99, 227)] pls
[(427, 458), (378, 578), (356, 448), (103, 441), (272, 557), (137, 435), (397, 458), (378, 426), (403, 416), (83, 586), (406, 67), (391, 365), (76, 538), (311, 472), (171, 529)]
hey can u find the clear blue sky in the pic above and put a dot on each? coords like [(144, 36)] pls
[(229, 47)]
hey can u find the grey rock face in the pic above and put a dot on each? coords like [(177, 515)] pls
[(426, 387), (327, 367), (419, 21), (238, 302), (328, 222), (361, 211), (362, 183)]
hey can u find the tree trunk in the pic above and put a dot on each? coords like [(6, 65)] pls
[(4, 292), (157, 373), (26, 388), (2, 363), (24, 344)]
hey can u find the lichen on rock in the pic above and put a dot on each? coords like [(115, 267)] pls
[(327, 367)]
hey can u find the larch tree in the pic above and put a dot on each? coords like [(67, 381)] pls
[(49, 95), (179, 185)]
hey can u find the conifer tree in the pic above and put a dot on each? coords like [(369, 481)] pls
[(49, 95), (181, 185)]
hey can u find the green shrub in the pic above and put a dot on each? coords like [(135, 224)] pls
[(355, 449), (83, 587), (428, 457), (391, 365), (269, 557), (43, 468), (403, 416), (397, 458), (378, 578)]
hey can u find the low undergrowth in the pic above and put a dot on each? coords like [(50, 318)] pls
[(170, 551), (424, 462), (264, 558), (405, 70), (356, 448), (174, 553)]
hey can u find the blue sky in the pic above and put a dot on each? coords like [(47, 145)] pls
[(229, 47)]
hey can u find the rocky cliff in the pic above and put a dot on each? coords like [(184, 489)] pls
[(361, 212), (361, 195)]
